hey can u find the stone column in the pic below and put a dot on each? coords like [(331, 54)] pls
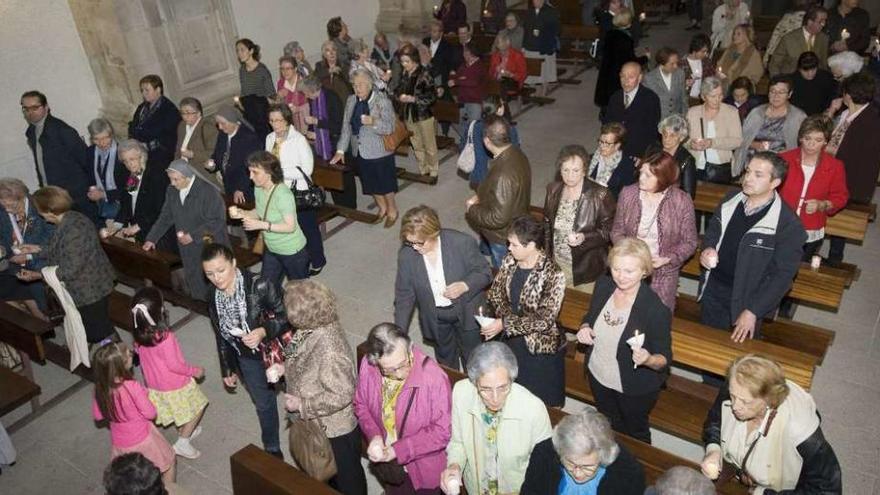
[(188, 43), (405, 15)]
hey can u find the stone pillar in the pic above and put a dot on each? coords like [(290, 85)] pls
[(188, 43), (405, 15)]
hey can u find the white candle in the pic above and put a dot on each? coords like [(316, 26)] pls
[(844, 35), (642, 16)]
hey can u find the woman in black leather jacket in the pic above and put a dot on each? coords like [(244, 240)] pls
[(246, 313), (413, 98), (766, 431), (673, 132)]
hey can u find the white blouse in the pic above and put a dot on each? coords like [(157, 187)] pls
[(295, 152)]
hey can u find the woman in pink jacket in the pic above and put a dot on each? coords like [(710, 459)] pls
[(656, 211), (403, 403)]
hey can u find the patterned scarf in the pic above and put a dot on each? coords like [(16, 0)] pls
[(232, 310), (489, 478), (390, 393), (602, 168), (323, 146)]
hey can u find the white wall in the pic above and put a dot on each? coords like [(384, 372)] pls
[(41, 50), (273, 23)]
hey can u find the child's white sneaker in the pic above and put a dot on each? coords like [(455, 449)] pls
[(195, 433), (183, 448)]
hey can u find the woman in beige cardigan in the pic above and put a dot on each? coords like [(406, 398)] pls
[(321, 380), (196, 137), (742, 58), (715, 132)]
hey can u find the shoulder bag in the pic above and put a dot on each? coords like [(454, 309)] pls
[(311, 198), (397, 136), (260, 243), (311, 448), (467, 158)]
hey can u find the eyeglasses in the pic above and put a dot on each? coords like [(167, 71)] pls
[(413, 244), (285, 67), (185, 112), (493, 392), (583, 468), (277, 121), (606, 143), (781, 92), (393, 371), (31, 108)]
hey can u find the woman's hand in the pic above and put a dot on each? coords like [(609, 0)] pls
[(338, 158), (184, 238), (29, 248), (254, 224), (19, 259), (455, 290), (452, 472), (292, 402), (711, 465), (814, 205), (709, 258), (282, 94), (238, 198), (640, 356), (376, 449), (254, 337), (230, 381), (367, 119), (29, 275), (131, 230), (492, 329), (310, 120), (586, 335), (760, 145), (188, 154), (575, 239), (200, 373), (310, 135), (836, 104), (148, 246), (659, 261)]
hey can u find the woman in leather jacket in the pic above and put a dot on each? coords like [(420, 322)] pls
[(765, 430), (578, 215), (413, 99), (673, 132), (246, 313)]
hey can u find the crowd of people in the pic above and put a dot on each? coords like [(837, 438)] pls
[(618, 224)]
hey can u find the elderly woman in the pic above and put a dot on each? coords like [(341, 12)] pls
[(697, 64), (741, 95), (330, 71), (80, 262), (361, 60), (246, 312), (290, 94), (24, 236), (673, 132), (496, 424), (682, 479), (513, 30), (198, 214), (297, 163), (440, 272), (618, 49), (196, 138), (527, 295), (256, 84), (145, 187), (108, 173), (415, 95), (842, 66), (742, 58), (668, 83), (628, 330), (725, 18), (302, 66), (403, 405), (715, 132), (583, 457), (662, 216), (155, 121), (235, 142), (507, 65), (368, 117), (771, 127), (608, 165), (767, 429), (321, 379), (578, 214)]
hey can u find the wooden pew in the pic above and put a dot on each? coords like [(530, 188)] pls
[(255, 472), (24, 333), (533, 68), (15, 390), (330, 177), (575, 41)]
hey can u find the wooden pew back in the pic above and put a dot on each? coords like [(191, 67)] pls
[(255, 472), (129, 259), (15, 390), (23, 331)]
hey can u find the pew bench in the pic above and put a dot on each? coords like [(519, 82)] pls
[(255, 472), (24, 333), (331, 177), (533, 68), (16, 390)]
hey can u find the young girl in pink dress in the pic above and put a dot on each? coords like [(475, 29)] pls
[(124, 403), (169, 378)]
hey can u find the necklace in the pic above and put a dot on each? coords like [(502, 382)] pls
[(612, 319)]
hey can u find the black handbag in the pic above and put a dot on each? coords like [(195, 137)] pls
[(311, 198), (391, 472), (719, 173)]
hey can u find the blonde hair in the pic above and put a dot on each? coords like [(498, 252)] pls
[(635, 247), (623, 18), (762, 377), (421, 221)]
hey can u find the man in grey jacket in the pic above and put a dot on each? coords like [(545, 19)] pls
[(751, 251), (441, 272)]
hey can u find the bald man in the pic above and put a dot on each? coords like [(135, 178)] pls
[(637, 108)]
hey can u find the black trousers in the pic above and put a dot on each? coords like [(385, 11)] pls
[(350, 478), (787, 306), (541, 374), (628, 414), (715, 308), (453, 343), (96, 320)]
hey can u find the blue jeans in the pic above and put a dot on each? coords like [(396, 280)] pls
[(276, 266), (253, 375), (499, 251)]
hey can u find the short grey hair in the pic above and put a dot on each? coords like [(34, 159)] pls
[(847, 63), (384, 339), (358, 46), (310, 83), (674, 123), (488, 356), (585, 433), (681, 480), (133, 144), (12, 188), (362, 74), (708, 85), (100, 125)]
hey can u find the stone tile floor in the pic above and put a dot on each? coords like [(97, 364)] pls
[(62, 451)]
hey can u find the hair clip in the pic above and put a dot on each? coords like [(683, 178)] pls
[(108, 340)]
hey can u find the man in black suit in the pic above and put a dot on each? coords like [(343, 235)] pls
[(59, 152), (108, 172), (637, 108)]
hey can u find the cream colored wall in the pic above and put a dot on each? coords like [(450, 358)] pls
[(40, 50)]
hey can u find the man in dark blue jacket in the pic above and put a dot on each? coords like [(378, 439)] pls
[(59, 152), (751, 251)]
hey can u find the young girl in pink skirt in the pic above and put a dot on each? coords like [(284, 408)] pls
[(124, 403), (171, 381)]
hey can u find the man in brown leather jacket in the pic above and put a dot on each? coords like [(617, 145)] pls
[(505, 194)]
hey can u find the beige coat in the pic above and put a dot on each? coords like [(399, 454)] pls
[(321, 372), (785, 57), (728, 130), (748, 64)]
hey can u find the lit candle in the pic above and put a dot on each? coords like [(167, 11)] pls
[(642, 16), (844, 35), (235, 99), (486, 13), (436, 8)]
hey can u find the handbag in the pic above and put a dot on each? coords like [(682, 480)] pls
[(397, 136), (467, 158), (392, 472), (311, 198), (260, 243), (311, 448)]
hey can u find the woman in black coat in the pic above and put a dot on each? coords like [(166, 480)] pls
[(155, 120), (618, 49), (582, 452)]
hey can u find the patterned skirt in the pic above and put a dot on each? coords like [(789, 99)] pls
[(178, 406)]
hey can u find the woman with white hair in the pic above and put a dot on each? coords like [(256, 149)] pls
[(583, 458), (673, 132), (361, 60), (682, 480), (496, 424), (845, 64)]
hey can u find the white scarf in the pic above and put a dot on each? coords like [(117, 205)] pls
[(74, 330), (605, 166)]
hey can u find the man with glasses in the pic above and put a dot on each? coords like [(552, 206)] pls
[(441, 272), (59, 152), (810, 38)]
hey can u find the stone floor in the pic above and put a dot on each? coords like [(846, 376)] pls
[(62, 451)]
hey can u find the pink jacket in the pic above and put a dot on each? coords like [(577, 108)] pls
[(164, 367), (135, 413), (422, 448)]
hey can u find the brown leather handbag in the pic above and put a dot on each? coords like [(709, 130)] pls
[(311, 448), (397, 136)]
